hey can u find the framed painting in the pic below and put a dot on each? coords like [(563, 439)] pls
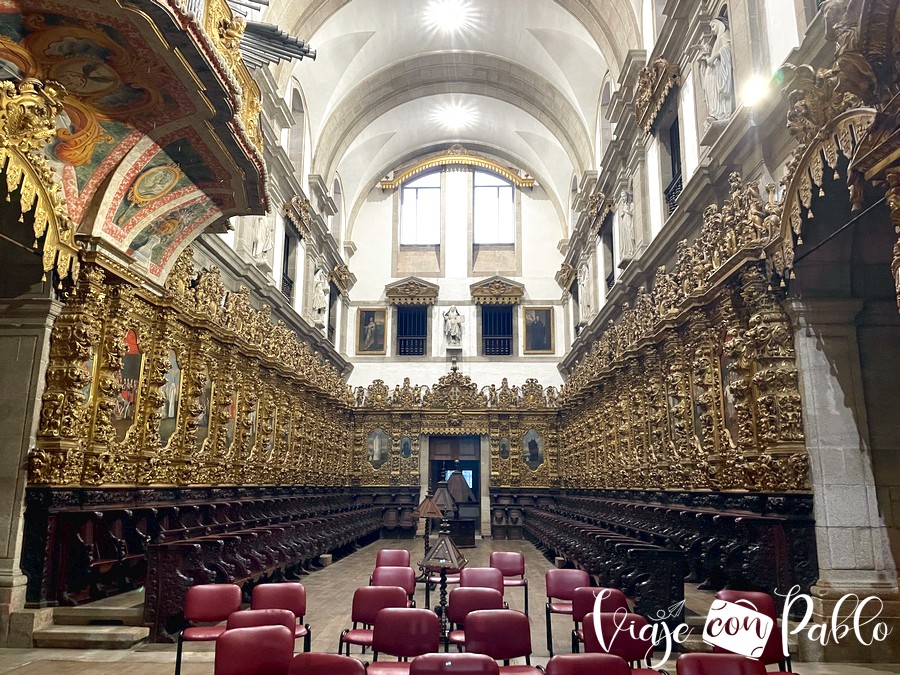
[(538, 330), (370, 336)]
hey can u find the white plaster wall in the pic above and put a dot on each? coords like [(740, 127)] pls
[(781, 31), (654, 188), (278, 251), (372, 232), (688, 115)]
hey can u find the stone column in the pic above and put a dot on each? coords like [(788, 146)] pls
[(25, 325), (851, 537)]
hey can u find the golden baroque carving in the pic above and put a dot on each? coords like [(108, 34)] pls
[(28, 112), (299, 212), (655, 81), (411, 291), (340, 275)]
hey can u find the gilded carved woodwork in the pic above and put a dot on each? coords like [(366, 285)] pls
[(342, 278), (28, 113), (457, 155), (247, 394), (694, 387), (655, 81), (299, 212), (566, 276), (456, 406), (850, 110)]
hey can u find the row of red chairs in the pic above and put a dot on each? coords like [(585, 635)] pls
[(271, 604)]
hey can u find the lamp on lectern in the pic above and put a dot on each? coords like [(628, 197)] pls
[(441, 558), (427, 509)]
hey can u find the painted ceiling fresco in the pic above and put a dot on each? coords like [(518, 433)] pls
[(135, 171)]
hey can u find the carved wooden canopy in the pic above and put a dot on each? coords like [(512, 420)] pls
[(297, 211), (497, 291), (655, 81), (411, 291)]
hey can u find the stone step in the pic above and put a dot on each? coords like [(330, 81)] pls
[(90, 637), (92, 614)]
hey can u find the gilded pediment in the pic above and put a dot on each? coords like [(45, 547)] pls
[(654, 84), (411, 291), (497, 291)]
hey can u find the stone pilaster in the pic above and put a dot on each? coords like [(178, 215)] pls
[(853, 548)]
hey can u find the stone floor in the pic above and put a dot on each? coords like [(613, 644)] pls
[(330, 592)]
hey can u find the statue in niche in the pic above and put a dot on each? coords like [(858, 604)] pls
[(453, 323), (584, 292), (263, 238), (321, 288), (626, 224), (717, 76)]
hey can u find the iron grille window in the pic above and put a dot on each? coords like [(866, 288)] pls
[(496, 330), (673, 191), (288, 260), (412, 330)]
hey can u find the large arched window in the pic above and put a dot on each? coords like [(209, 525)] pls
[(298, 129), (420, 211), (494, 209)]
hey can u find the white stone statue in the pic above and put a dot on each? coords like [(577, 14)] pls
[(626, 225), (584, 292), (453, 323), (263, 238), (321, 289), (716, 70)]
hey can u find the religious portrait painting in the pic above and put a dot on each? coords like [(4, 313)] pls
[(538, 330), (171, 396), (370, 337), (378, 446), (128, 381), (533, 449)]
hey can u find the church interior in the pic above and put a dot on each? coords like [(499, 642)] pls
[(320, 315)]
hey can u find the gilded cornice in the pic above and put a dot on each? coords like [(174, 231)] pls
[(28, 112), (599, 207), (457, 156), (655, 81), (497, 291), (342, 278), (411, 291), (297, 210), (566, 276)]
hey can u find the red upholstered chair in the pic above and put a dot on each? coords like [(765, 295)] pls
[(717, 664), (403, 633), (764, 604), (512, 565), (561, 585), (320, 664), (367, 602), (250, 618), (466, 600), (635, 650), (502, 634), (392, 557), (291, 596), (583, 602), (207, 603), (588, 664), (260, 650), (481, 577), (460, 664), (403, 577)]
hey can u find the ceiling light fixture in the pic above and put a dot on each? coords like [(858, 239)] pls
[(454, 116), (448, 16)]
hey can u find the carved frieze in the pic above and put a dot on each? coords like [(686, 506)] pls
[(655, 81), (411, 291), (497, 291)]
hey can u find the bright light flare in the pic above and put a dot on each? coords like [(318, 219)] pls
[(755, 90), (455, 116), (449, 16)]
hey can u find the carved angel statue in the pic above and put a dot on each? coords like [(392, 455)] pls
[(453, 322), (716, 70)]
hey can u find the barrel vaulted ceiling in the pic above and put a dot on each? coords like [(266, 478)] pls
[(519, 79)]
